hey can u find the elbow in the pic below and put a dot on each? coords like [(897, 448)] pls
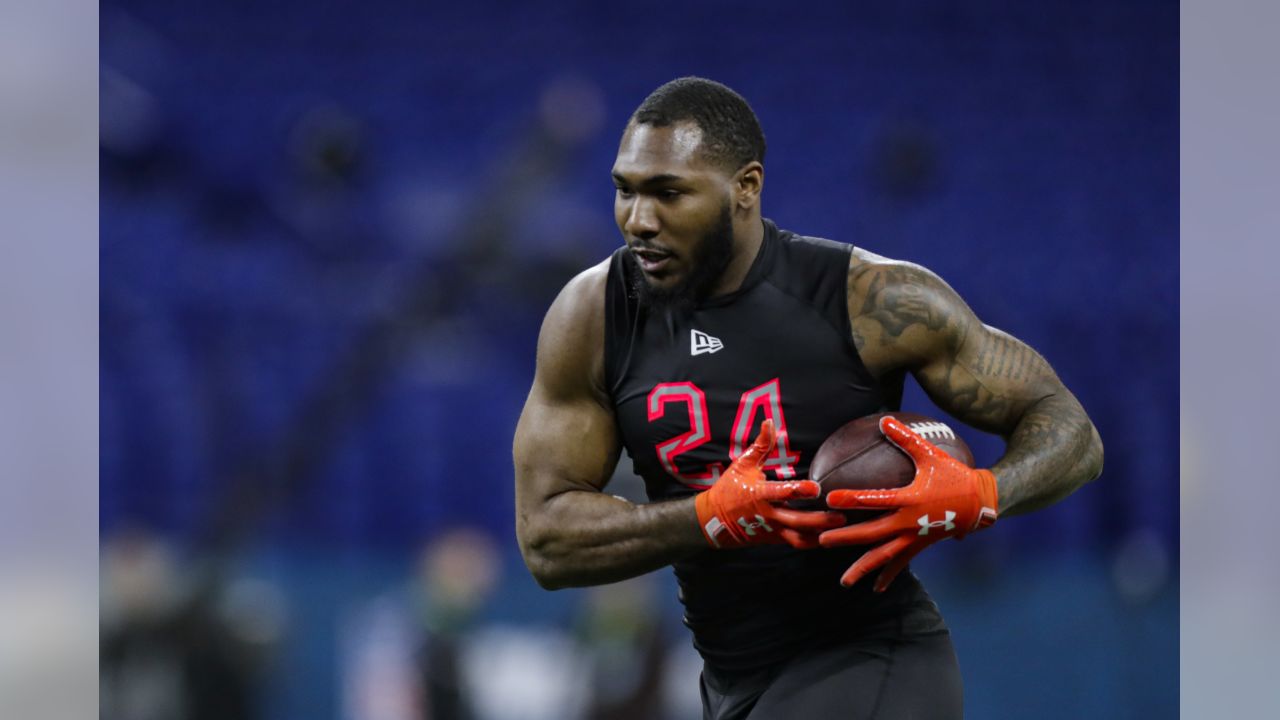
[(1095, 454), (542, 565), (545, 572), (548, 579)]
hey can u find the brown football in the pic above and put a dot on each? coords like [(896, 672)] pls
[(859, 457)]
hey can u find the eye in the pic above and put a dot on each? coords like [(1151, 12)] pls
[(624, 192), (669, 194)]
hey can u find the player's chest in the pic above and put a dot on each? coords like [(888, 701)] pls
[(694, 391)]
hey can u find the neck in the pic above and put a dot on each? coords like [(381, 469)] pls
[(746, 245)]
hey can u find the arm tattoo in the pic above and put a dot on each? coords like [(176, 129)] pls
[(897, 298), (903, 316), (1052, 448), (962, 393), (1052, 451), (1004, 357)]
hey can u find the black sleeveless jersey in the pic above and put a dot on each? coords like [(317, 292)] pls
[(691, 388)]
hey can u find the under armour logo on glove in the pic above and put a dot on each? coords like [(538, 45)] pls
[(947, 524), (741, 493), (751, 527), (964, 497)]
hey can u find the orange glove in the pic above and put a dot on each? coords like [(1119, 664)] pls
[(946, 499), (739, 509)]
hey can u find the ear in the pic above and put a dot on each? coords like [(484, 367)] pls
[(747, 184)]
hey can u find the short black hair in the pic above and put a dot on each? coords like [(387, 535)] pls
[(731, 134)]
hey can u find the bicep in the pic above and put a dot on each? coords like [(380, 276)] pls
[(904, 317), (562, 444), (567, 438)]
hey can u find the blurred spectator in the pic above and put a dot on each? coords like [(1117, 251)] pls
[(624, 649), (174, 646), (405, 650)]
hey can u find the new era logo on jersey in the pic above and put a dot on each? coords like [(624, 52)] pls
[(700, 343)]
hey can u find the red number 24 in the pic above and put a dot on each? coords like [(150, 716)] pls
[(766, 398)]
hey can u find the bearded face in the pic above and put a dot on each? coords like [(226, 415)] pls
[(706, 262)]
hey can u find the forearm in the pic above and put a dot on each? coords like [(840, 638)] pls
[(584, 537), (1052, 451)]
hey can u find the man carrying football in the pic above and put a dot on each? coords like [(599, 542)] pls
[(720, 351)]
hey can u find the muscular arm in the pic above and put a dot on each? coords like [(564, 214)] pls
[(905, 317), (566, 446)]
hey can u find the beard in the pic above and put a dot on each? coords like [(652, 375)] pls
[(709, 260)]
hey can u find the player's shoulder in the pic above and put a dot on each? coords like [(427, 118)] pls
[(581, 300), (808, 269), (887, 297), (809, 252), (863, 262), (876, 277), (571, 343)]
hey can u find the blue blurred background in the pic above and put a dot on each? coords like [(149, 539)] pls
[(329, 231)]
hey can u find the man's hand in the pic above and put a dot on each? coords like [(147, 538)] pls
[(946, 499), (740, 508)]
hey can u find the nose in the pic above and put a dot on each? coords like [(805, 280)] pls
[(641, 219)]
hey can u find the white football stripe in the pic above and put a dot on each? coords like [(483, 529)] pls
[(932, 430)]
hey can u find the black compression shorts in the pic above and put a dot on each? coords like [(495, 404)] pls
[(904, 667)]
